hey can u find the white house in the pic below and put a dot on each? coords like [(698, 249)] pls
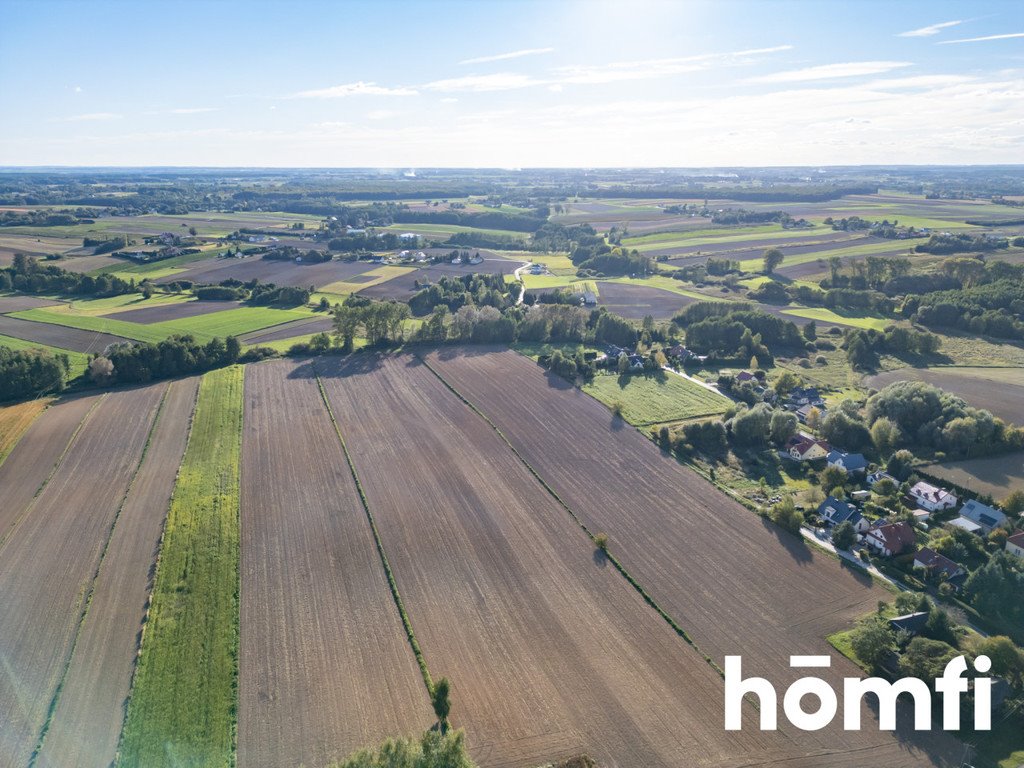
[(891, 539), (806, 448), (1015, 544), (931, 497)]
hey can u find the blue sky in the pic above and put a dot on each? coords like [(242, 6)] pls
[(511, 84)]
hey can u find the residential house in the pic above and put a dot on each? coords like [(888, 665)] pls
[(804, 396), (848, 462), (1015, 544), (965, 525), (804, 412), (876, 477), (834, 511), (636, 362), (891, 538), (803, 447), (982, 514), (745, 376), (939, 565), (911, 623), (932, 498), (678, 352)]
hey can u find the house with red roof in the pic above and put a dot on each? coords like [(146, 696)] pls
[(891, 538)]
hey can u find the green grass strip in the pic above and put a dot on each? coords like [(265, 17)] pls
[(185, 695), (392, 584), (593, 536), (92, 584)]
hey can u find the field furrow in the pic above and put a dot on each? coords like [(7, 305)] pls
[(49, 562), (549, 650), (86, 723), (325, 666), (735, 582)]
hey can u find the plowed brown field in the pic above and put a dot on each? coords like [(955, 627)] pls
[(49, 560), (325, 665), (549, 650), (86, 723), (738, 584)]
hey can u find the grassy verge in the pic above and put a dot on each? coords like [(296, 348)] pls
[(392, 583), (184, 698)]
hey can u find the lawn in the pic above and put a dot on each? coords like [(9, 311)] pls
[(822, 315), (79, 361), (181, 710), (229, 322), (655, 399)]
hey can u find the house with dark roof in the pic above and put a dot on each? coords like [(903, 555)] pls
[(848, 462), (911, 622), (891, 538), (1015, 544), (982, 514), (938, 565), (745, 376), (804, 412), (834, 511), (877, 477)]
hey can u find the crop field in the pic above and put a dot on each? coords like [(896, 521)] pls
[(367, 279), (656, 399), (823, 315), (207, 224), (437, 231), (999, 390), (44, 331), (638, 301), (404, 286), (13, 303), (549, 650), (325, 666), (86, 722), (79, 361), (184, 696), (14, 420), (870, 248), (50, 556), (214, 270), (995, 475), (172, 311), (675, 533), (288, 330)]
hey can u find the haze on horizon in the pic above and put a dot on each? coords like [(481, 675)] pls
[(512, 84)]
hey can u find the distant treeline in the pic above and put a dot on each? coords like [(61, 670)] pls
[(29, 276), (946, 244), (811, 193)]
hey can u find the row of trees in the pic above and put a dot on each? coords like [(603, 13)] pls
[(29, 276), (138, 362), (31, 373)]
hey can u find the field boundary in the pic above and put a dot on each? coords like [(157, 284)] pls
[(92, 583), (392, 583), (682, 633), (5, 452), (5, 535)]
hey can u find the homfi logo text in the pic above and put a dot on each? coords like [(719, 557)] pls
[(951, 686)]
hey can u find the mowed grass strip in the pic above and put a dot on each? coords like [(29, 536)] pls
[(655, 399), (183, 703), (230, 322), (14, 420)]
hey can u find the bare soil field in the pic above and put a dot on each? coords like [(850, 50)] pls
[(745, 249), (31, 245), (735, 582), (987, 388), (325, 665), (404, 286), (550, 651), (148, 315), (74, 339), (49, 561), (19, 303), (15, 419), (83, 264), (995, 475), (270, 271), (36, 454), (86, 723), (287, 330), (638, 301)]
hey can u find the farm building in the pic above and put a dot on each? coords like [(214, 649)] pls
[(982, 514), (806, 448), (938, 565), (891, 538), (1015, 544), (932, 497), (848, 462)]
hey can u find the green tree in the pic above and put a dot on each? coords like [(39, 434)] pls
[(925, 659), (885, 436), (1014, 503), (432, 750), (440, 699), (810, 331), (783, 426), (844, 536), (872, 641), (772, 259), (1007, 658), (786, 515), (623, 363)]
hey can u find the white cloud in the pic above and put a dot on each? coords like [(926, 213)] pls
[(931, 29), (650, 68), (90, 117), (449, 100), (831, 71), (506, 81), (381, 114), (192, 110), (505, 56), (982, 39), (354, 89)]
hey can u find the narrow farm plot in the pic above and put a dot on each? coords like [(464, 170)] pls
[(735, 582), (86, 723), (51, 331), (550, 651), (822, 315), (992, 475), (14, 420), (184, 696), (325, 664), (49, 561), (657, 398)]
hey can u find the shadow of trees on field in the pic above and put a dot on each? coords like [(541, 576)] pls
[(794, 544)]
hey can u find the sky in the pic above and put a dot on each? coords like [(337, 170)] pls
[(510, 83)]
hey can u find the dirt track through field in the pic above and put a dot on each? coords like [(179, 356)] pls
[(86, 724), (325, 665), (550, 652), (737, 583), (50, 559)]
